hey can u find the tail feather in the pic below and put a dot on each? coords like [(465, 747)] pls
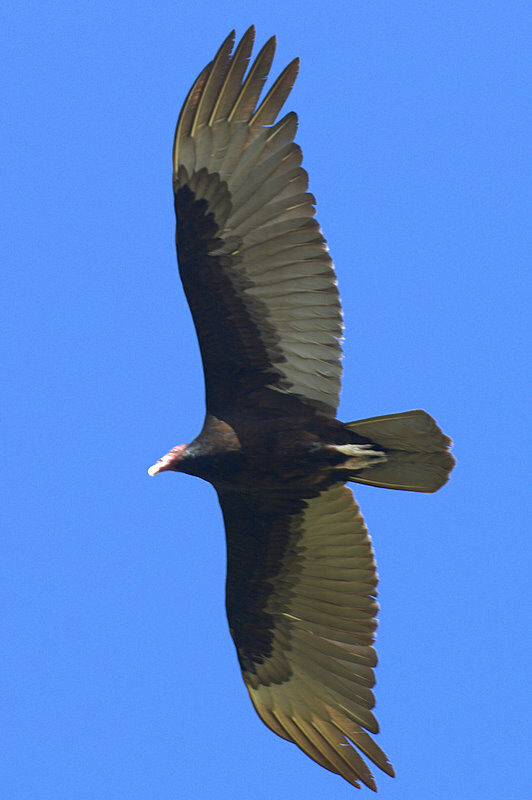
[(417, 456)]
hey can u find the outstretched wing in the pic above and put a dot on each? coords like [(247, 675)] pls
[(255, 267), (301, 587)]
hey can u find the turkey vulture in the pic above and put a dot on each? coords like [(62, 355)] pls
[(259, 280)]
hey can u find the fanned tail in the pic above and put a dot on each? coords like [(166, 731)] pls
[(417, 454)]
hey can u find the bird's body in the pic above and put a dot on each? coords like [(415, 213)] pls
[(249, 450), (301, 578)]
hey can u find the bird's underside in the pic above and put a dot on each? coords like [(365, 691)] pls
[(301, 577)]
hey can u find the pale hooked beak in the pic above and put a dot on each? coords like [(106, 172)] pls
[(157, 467), (168, 460)]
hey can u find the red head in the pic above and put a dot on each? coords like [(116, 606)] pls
[(169, 461)]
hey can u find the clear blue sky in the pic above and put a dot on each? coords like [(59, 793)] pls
[(119, 678)]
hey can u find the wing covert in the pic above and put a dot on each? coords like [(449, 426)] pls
[(255, 267)]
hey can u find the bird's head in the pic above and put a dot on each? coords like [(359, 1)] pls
[(169, 461)]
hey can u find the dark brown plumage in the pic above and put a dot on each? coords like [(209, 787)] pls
[(301, 579)]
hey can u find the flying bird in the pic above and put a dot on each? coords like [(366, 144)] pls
[(259, 280)]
